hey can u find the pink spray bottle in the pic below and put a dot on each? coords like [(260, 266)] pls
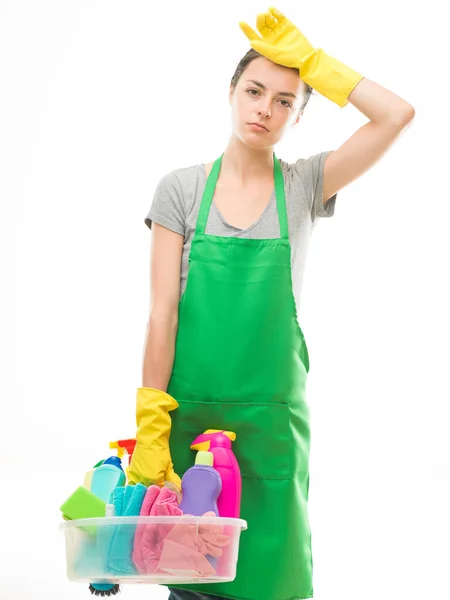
[(218, 442)]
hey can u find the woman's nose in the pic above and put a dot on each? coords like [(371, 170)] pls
[(264, 109)]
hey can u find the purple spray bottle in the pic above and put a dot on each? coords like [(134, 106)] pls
[(201, 486)]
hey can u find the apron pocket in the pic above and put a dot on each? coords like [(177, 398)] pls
[(263, 439)]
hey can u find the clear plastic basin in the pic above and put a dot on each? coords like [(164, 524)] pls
[(161, 550)]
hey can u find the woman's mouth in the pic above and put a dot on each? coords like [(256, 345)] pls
[(257, 127)]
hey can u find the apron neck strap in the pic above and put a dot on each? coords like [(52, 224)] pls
[(281, 198), (211, 187)]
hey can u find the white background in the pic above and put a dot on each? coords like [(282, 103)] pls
[(98, 101)]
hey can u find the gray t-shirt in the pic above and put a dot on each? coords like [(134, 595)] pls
[(178, 195)]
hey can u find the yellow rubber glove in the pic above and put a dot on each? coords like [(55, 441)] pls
[(284, 44), (151, 462)]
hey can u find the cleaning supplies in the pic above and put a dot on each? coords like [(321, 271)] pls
[(94, 499), (149, 537), (124, 447), (201, 486), (88, 476), (107, 477), (218, 442), (82, 504), (194, 547), (88, 479), (127, 503)]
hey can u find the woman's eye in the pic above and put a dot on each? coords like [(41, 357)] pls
[(256, 93)]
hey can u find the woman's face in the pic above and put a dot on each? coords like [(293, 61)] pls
[(269, 94)]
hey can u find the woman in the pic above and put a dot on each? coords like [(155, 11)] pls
[(230, 238)]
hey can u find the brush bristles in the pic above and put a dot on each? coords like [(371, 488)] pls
[(115, 589)]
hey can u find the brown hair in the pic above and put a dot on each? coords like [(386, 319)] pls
[(247, 59)]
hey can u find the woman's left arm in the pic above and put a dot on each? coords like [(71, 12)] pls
[(389, 115)]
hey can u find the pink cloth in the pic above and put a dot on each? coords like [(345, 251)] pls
[(150, 496), (187, 544), (169, 548), (149, 538), (177, 558)]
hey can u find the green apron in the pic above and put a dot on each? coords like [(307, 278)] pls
[(241, 364)]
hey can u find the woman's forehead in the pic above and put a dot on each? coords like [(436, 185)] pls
[(269, 75)]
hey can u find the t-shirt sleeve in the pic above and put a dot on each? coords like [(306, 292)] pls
[(310, 170), (168, 207)]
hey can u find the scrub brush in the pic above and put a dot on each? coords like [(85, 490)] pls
[(104, 589)]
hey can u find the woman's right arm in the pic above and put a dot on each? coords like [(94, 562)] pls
[(162, 325)]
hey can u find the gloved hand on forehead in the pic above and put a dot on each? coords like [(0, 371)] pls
[(283, 43)]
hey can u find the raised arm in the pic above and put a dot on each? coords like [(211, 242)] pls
[(389, 115)]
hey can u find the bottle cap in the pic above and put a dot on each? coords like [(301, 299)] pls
[(204, 458), (113, 460)]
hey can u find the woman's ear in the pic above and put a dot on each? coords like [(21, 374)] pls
[(298, 118)]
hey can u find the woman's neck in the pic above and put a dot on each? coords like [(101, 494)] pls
[(243, 164)]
